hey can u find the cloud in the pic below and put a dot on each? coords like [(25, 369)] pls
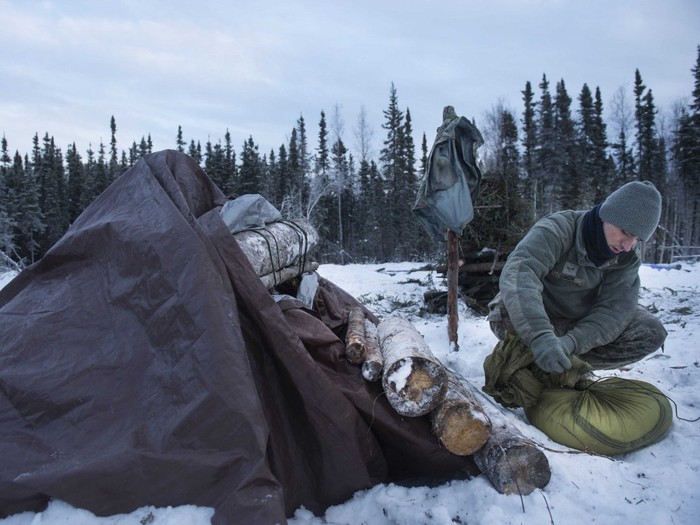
[(255, 68)]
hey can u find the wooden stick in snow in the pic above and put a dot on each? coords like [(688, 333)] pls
[(459, 422), (414, 380), (355, 348), (452, 285), (373, 365)]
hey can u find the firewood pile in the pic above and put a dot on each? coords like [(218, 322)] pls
[(417, 384), (478, 282)]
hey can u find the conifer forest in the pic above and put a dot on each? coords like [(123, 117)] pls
[(555, 153)]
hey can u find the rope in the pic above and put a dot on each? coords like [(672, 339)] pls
[(303, 244), (303, 238), (649, 390), (269, 250)]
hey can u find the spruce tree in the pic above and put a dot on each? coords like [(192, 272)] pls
[(304, 171), (280, 186), (586, 149), (639, 90), (504, 211), (214, 164), (529, 144), (251, 169), (364, 216), (113, 171), (392, 165), (76, 183), (686, 156), (7, 246), (179, 141), (24, 210), (423, 155), (90, 167), (230, 171), (648, 147), (414, 241), (545, 152), (53, 192), (603, 164), (320, 207), (340, 174), (623, 154), (322, 155), (100, 180), (294, 180), (572, 188)]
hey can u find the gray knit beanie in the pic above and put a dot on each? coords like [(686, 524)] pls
[(634, 207)]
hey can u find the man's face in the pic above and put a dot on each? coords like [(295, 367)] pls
[(618, 239)]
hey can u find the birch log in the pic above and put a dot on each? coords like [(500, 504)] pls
[(278, 245), (511, 462), (413, 379), (460, 423), (373, 365), (285, 274), (355, 349)]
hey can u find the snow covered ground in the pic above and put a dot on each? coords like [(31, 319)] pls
[(655, 485)]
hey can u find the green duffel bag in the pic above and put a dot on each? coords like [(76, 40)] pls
[(610, 416)]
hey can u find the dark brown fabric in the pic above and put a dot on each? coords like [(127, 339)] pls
[(143, 363)]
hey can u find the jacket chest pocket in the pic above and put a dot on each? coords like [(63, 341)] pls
[(586, 277)]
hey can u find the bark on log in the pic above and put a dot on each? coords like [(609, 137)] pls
[(285, 274), (373, 365), (460, 423), (414, 380), (511, 462), (279, 245), (355, 348)]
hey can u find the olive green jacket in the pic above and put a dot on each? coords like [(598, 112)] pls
[(548, 276)]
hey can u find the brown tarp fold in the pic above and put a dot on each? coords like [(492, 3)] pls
[(142, 362)]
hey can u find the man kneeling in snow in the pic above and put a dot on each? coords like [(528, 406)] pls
[(571, 286)]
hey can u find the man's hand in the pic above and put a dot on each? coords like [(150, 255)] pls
[(552, 352)]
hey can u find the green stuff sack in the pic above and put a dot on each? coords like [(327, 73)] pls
[(610, 416)]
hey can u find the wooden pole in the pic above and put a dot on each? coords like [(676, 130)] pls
[(452, 285), (449, 114)]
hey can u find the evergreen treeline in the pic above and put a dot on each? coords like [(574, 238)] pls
[(558, 156)]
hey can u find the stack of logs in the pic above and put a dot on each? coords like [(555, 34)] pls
[(279, 251), (477, 281), (417, 384)]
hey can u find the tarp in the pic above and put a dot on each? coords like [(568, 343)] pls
[(144, 363), (452, 179)]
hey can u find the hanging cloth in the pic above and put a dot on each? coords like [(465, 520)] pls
[(452, 179)]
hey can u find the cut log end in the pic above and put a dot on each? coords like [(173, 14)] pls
[(458, 430), (414, 386), (356, 352), (512, 464), (372, 370)]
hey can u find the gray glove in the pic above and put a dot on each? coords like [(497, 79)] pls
[(552, 353)]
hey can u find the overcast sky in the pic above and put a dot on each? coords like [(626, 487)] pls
[(254, 68)]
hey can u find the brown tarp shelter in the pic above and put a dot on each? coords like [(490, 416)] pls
[(142, 362)]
